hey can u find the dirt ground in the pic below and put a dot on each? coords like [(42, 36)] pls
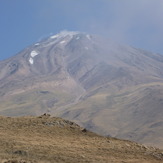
[(48, 139)]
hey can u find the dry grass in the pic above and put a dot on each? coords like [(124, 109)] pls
[(48, 140)]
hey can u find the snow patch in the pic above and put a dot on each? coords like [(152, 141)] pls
[(37, 44), (55, 36), (60, 37), (78, 38), (67, 33), (34, 53), (86, 48), (64, 34), (62, 42), (31, 61), (88, 37)]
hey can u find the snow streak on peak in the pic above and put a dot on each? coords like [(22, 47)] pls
[(64, 34), (32, 55), (62, 42), (31, 61), (62, 38), (88, 36)]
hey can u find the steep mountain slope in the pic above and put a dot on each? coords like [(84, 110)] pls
[(49, 139), (108, 88)]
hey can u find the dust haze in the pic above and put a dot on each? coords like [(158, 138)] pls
[(138, 23)]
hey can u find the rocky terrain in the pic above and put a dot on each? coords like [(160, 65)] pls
[(46, 139), (111, 89)]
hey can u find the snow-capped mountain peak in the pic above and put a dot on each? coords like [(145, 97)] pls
[(63, 34), (89, 79)]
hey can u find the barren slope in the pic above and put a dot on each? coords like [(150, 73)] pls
[(48, 140), (134, 113), (108, 88)]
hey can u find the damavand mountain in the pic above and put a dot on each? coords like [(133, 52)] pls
[(111, 89)]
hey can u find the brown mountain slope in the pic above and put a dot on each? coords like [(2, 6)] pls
[(127, 114), (47, 140), (108, 88)]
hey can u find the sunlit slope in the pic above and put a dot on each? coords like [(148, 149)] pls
[(111, 89), (134, 113), (48, 140)]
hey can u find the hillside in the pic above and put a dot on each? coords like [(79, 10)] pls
[(47, 139), (108, 88)]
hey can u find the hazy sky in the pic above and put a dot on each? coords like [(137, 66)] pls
[(135, 22)]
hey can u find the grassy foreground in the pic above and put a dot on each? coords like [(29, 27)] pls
[(48, 139)]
